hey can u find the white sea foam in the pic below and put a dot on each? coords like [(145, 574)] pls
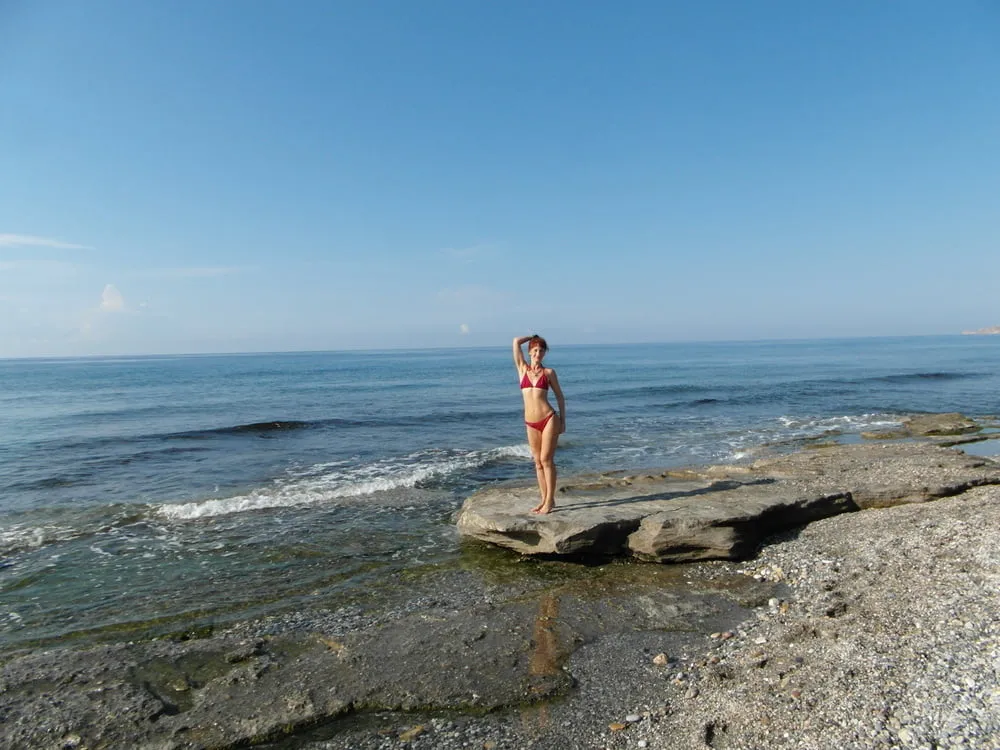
[(339, 480), (21, 537), (791, 429), (850, 423)]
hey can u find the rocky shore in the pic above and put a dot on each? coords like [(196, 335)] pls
[(870, 629), (713, 512), (885, 635), (888, 637)]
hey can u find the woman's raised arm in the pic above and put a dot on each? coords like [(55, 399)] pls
[(519, 362)]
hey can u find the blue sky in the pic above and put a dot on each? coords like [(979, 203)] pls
[(265, 176)]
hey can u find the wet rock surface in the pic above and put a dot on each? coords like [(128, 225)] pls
[(940, 424), (868, 629), (883, 634), (277, 680)]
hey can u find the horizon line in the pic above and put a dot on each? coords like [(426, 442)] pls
[(355, 350)]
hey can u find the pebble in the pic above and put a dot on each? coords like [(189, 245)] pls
[(912, 649), (412, 733), (869, 678)]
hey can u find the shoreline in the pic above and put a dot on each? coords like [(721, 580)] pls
[(829, 636), (884, 636)]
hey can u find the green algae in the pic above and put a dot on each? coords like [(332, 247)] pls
[(175, 681)]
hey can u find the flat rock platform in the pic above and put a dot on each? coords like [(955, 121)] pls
[(718, 512)]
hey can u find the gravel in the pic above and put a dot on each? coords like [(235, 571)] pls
[(888, 638), (884, 634)]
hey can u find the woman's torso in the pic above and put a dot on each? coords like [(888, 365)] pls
[(535, 391)]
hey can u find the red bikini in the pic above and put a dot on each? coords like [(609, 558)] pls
[(543, 384), (540, 426)]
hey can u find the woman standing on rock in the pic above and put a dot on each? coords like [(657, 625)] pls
[(544, 424)]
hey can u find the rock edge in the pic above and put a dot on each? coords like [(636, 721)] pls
[(718, 512)]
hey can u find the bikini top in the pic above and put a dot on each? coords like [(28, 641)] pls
[(542, 382)]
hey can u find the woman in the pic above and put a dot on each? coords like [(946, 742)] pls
[(544, 424)]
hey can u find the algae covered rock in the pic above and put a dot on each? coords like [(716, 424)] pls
[(940, 424)]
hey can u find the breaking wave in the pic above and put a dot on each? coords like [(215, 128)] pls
[(323, 483)]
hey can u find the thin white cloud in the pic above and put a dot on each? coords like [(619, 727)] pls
[(111, 299), (463, 329), (29, 240)]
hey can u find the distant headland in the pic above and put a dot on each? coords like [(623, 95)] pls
[(991, 331)]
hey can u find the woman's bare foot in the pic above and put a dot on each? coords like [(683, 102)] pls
[(543, 509)]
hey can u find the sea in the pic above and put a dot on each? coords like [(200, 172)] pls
[(142, 496)]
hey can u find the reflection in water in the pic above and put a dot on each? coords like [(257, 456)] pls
[(544, 660)]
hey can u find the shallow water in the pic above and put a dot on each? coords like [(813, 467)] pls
[(987, 448), (156, 494)]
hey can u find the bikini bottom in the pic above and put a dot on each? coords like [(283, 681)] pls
[(540, 426)]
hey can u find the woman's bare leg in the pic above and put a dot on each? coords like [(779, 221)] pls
[(546, 455), (535, 445)]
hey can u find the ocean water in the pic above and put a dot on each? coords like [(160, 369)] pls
[(148, 495)]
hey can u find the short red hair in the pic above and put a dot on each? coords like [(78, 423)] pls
[(536, 339)]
